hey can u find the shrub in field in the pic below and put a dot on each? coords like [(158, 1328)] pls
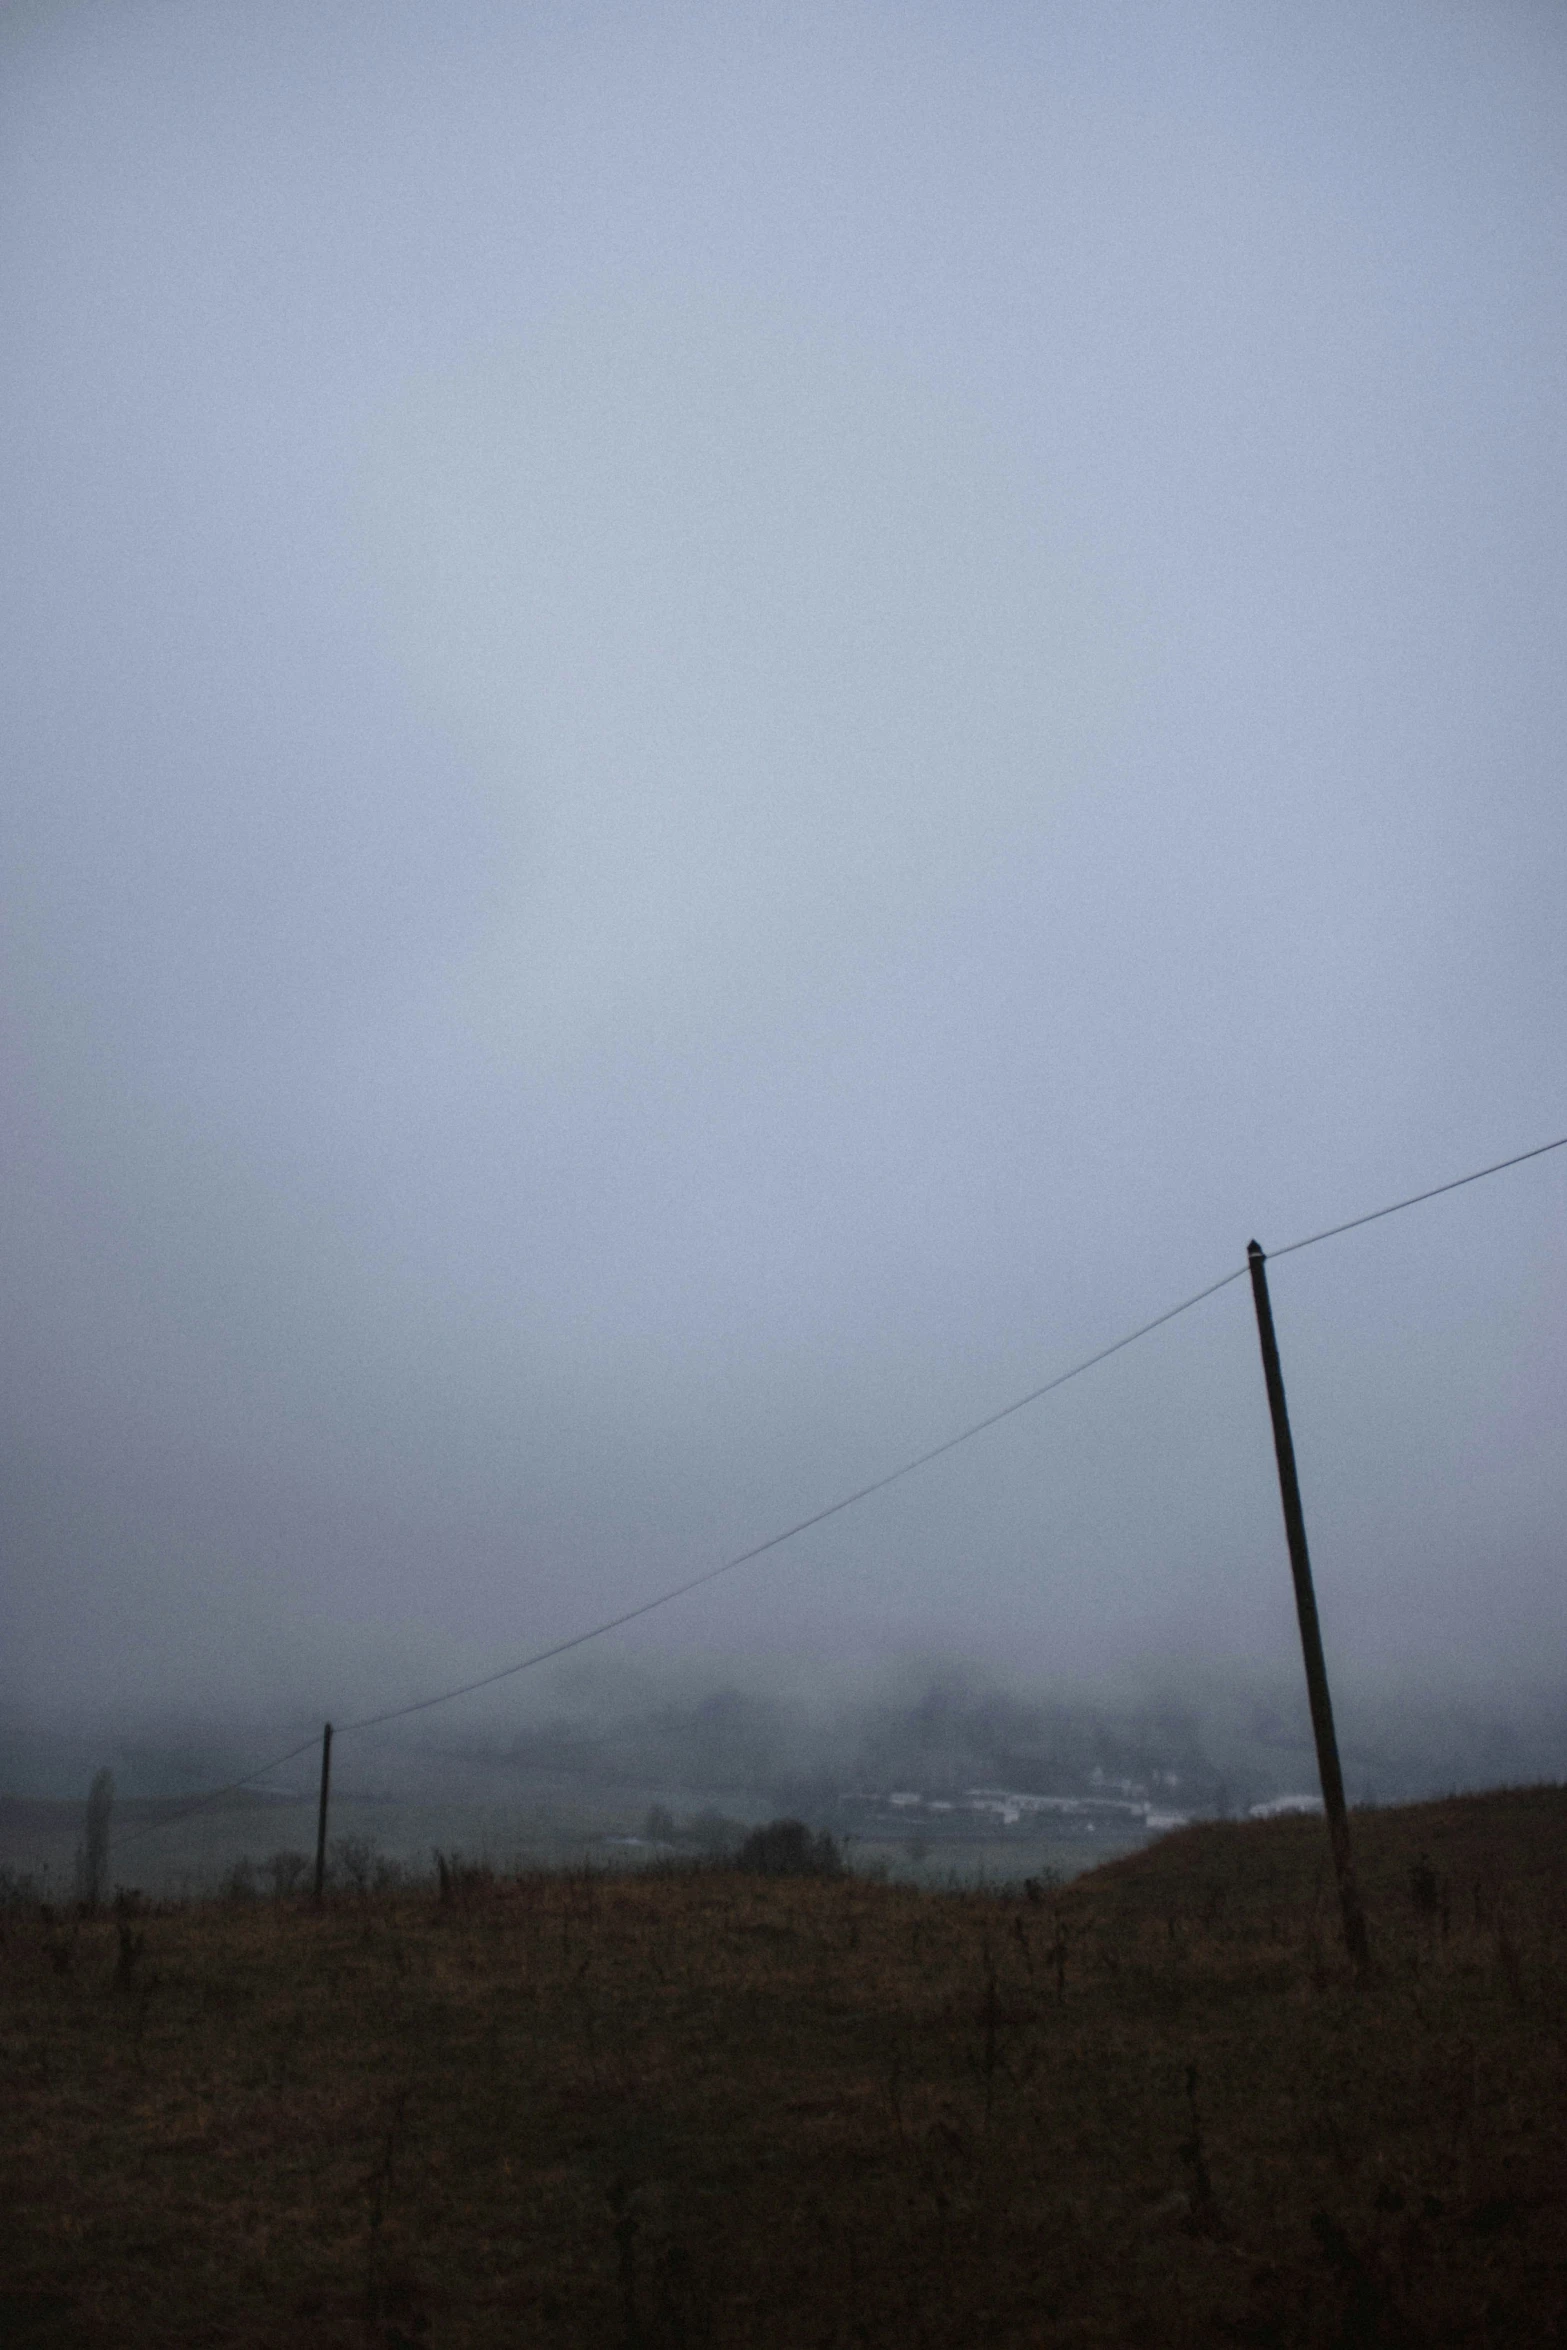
[(786, 1848), (352, 1861), (132, 1945), (461, 1881), (713, 1833), (287, 1871), (710, 1833)]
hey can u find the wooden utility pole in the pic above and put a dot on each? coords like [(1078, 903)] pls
[(326, 1781), (1310, 1631)]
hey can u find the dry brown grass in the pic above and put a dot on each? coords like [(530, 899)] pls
[(702, 2109)]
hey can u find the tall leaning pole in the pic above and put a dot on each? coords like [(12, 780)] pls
[(1328, 1769)]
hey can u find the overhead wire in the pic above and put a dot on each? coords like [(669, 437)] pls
[(235, 1787), (1416, 1197), (801, 1525), (920, 1460), (846, 1501)]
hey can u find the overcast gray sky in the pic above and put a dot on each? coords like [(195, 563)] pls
[(724, 727)]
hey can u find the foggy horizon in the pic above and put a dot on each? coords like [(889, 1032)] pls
[(729, 729)]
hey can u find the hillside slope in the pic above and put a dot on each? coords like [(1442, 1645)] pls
[(704, 2108)]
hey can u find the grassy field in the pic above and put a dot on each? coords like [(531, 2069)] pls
[(702, 2108)]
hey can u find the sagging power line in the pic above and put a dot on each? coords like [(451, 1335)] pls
[(819, 1517)]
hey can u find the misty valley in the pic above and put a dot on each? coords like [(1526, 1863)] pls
[(950, 1778)]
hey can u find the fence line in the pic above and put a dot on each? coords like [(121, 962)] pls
[(845, 1502)]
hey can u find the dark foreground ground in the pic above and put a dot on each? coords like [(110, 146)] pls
[(705, 2109)]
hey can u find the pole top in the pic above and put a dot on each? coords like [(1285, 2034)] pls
[(1254, 1248)]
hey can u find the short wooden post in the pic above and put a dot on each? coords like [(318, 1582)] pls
[(326, 1781), (1328, 1770)]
